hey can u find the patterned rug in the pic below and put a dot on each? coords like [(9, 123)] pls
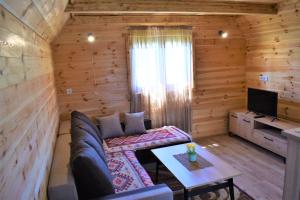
[(223, 194)]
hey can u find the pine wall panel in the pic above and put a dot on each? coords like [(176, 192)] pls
[(273, 49), (28, 109), (97, 73)]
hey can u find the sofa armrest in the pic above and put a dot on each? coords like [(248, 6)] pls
[(161, 192), (61, 182)]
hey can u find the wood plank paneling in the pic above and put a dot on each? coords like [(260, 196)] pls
[(97, 72), (179, 7), (273, 48), (29, 111), (45, 17)]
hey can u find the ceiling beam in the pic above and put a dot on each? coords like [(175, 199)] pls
[(181, 7)]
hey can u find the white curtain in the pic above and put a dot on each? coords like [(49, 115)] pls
[(162, 74)]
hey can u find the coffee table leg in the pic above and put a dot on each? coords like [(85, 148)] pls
[(231, 189), (157, 171), (186, 194)]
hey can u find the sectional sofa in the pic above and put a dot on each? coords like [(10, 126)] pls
[(87, 167)]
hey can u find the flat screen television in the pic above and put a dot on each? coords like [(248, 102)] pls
[(262, 102)]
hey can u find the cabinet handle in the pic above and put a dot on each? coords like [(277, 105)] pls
[(269, 139), (233, 116), (246, 121)]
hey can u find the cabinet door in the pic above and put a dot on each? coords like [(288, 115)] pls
[(246, 128), (258, 137), (233, 124)]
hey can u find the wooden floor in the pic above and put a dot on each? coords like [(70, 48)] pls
[(262, 171)]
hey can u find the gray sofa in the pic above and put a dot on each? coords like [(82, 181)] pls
[(63, 185)]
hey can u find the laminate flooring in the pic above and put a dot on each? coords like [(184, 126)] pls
[(262, 171)]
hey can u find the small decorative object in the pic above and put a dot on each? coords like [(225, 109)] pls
[(191, 151)]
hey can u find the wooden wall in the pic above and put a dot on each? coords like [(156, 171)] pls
[(273, 48), (28, 103), (97, 72)]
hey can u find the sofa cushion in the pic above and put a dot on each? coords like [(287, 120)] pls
[(134, 123), (127, 172), (82, 138), (61, 182), (80, 122), (110, 126), (91, 174), (153, 138)]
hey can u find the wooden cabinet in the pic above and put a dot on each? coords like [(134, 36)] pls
[(292, 169), (245, 127), (233, 123), (261, 131), (241, 124)]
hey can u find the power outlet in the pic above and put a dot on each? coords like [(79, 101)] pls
[(264, 77), (69, 91)]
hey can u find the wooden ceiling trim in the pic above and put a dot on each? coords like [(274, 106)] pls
[(170, 7)]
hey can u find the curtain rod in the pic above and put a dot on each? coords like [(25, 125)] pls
[(162, 27)]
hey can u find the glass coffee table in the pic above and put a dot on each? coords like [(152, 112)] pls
[(207, 174)]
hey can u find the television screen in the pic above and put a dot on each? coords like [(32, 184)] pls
[(262, 102)]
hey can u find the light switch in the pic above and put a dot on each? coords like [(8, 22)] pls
[(264, 77), (69, 91)]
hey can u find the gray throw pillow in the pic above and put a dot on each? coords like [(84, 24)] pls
[(134, 123), (110, 126)]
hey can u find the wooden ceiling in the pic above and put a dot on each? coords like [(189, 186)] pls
[(253, 1), (45, 17), (182, 7)]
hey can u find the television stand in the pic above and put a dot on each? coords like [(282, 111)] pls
[(274, 118), (259, 116), (264, 131)]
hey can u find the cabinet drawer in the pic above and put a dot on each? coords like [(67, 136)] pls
[(269, 143), (258, 138), (276, 144)]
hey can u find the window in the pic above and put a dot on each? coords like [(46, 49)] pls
[(161, 71)]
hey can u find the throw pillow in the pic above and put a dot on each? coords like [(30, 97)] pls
[(110, 126), (134, 123)]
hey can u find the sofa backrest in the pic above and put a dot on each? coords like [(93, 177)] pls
[(81, 121), (83, 138), (91, 174), (89, 167)]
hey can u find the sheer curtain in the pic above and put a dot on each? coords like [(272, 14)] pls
[(161, 73)]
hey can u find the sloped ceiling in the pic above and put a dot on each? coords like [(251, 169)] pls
[(45, 17)]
